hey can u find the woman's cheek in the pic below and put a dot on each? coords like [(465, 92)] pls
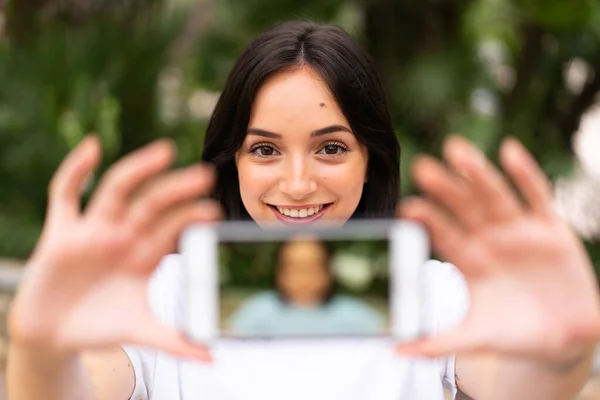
[(257, 183), (344, 178)]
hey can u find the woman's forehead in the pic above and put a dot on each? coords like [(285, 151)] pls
[(297, 98)]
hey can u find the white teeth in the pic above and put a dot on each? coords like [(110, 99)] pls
[(300, 213)]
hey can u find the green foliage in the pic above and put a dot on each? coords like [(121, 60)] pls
[(484, 68), (252, 265)]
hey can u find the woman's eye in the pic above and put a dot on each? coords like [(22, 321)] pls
[(333, 149), (264, 151)]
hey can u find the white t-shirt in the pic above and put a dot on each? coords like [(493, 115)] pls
[(349, 369)]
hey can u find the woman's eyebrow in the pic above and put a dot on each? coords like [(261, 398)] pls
[(319, 132), (330, 129), (262, 132)]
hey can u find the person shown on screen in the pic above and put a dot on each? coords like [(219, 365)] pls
[(305, 301), (302, 133)]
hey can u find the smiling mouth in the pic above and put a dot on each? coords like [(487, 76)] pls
[(300, 213)]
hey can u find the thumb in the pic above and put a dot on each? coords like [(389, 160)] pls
[(173, 341), (459, 340)]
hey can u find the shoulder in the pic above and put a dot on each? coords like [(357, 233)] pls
[(262, 300), (167, 290), (441, 278), (170, 267), (353, 308), (169, 272), (445, 295), (344, 301), (166, 298), (438, 271), (445, 304)]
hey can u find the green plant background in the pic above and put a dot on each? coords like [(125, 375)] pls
[(136, 70)]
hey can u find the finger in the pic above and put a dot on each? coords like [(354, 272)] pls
[(492, 190), (67, 183), (168, 229), (527, 176), (168, 191), (459, 340), (446, 235), (129, 173), (162, 337), (449, 190)]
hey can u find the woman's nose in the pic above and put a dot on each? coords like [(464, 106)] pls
[(298, 181)]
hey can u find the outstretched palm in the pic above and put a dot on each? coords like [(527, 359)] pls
[(86, 284), (526, 271)]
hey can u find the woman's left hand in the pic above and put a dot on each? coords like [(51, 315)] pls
[(532, 288)]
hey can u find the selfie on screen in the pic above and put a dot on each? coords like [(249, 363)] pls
[(298, 291)]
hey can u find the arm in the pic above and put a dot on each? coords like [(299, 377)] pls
[(532, 291), (502, 378), (36, 374), (86, 283)]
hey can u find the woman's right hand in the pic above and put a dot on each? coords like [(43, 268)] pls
[(86, 284)]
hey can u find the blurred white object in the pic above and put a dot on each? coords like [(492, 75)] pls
[(352, 271), (170, 88), (11, 273), (484, 102), (493, 54), (577, 198), (586, 141), (202, 103), (576, 74)]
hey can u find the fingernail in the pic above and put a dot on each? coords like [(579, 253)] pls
[(516, 145), (477, 157), (89, 139), (166, 143), (463, 151), (513, 149)]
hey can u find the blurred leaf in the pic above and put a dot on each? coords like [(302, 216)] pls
[(482, 68), (572, 14)]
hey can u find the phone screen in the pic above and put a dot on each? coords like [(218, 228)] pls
[(304, 287), (251, 282)]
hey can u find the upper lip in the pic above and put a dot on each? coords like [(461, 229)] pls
[(299, 207)]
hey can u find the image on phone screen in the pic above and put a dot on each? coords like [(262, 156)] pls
[(303, 287)]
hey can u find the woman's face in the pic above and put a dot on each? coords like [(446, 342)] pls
[(300, 161), (303, 273)]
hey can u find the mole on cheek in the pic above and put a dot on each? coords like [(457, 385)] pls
[(321, 104)]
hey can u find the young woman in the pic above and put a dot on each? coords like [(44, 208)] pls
[(302, 133), (304, 301)]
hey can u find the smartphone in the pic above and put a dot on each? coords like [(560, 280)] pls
[(357, 280)]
